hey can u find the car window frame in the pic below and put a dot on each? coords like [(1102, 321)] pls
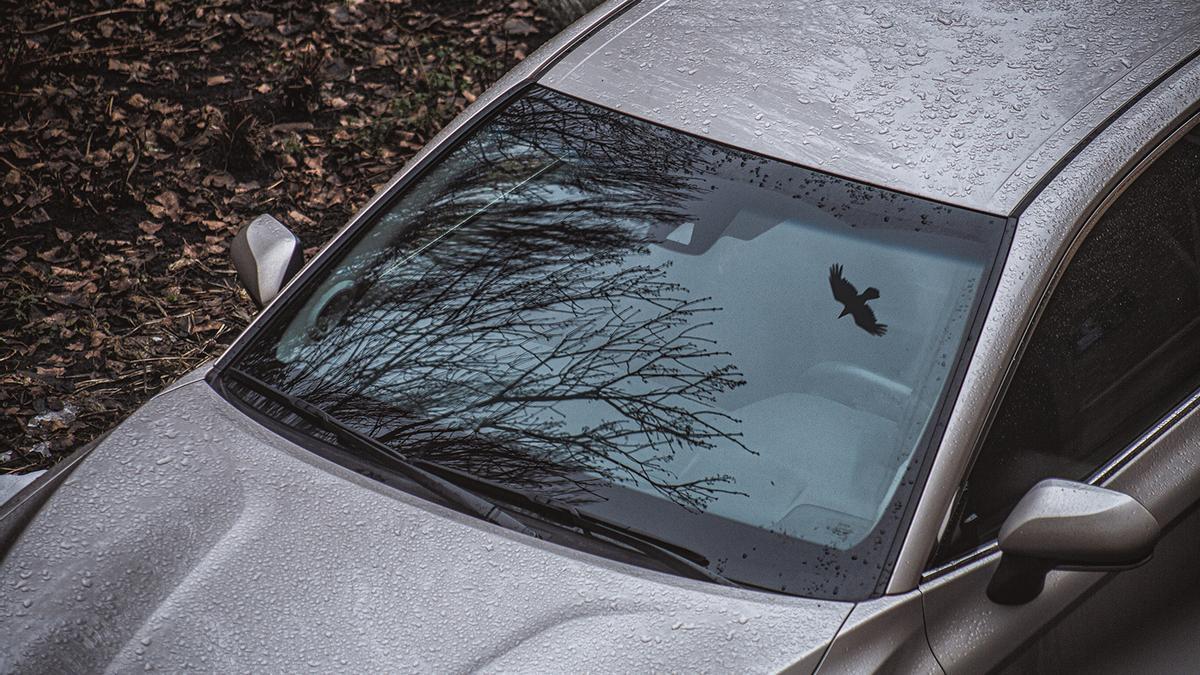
[(463, 130), (1141, 161)]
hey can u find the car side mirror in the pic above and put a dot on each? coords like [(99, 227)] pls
[(1062, 524), (266, 256)]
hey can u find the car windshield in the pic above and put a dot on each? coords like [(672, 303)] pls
[(733, 354)]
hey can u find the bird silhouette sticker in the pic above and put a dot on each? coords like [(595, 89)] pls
[(855, 303)]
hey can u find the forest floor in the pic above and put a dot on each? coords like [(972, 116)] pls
[(136, 138)]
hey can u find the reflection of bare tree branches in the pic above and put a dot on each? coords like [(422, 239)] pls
[(521, 340)]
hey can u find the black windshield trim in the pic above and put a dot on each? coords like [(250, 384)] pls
[(924, 451), (667, 557), (945, 407)]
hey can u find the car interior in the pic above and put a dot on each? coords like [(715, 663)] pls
[(832, 411)]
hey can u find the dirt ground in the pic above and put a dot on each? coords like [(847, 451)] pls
[(137, 137)]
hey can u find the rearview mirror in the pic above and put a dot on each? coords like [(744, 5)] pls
[(1061, 524), (266, 255)]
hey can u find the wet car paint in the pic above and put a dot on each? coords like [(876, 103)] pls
[(195, 538)]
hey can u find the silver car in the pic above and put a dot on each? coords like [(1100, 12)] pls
[(757, 336)]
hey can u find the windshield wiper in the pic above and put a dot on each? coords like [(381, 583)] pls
[(448, 483), (451, 492), (565, 514)]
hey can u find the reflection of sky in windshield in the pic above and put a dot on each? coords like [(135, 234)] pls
[(586, 305), (832, 412)]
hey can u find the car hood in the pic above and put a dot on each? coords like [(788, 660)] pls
[(194, 538)]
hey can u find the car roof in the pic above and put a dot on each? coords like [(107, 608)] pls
[(969, 103)]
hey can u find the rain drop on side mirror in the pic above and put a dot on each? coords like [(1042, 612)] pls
[(1061, 524), (266, 255)]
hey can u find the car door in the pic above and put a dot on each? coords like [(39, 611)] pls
[(1105, 393)]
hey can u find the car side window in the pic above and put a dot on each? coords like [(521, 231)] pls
[(1116, 349)]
